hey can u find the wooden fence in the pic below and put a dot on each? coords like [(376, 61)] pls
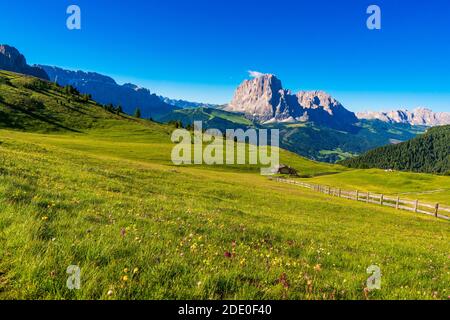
[(376, 198)]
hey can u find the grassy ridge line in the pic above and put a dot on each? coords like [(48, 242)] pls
[(61, 206), (34, 105)]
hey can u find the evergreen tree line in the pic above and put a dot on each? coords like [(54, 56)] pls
[(70, 90), (428, 153)]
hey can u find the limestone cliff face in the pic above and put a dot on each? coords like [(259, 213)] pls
[(419, 116), (12, 60), (264, 99), (259, 97)]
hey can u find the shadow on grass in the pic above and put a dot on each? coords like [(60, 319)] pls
[(47, 119)]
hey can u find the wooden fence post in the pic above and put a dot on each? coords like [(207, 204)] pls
[(416, 205), (357, 195), (397, 204), (381, 199), (436, 210), (339, 192), (368, 197)]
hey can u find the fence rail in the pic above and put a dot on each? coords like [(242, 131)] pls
[(375, 198)]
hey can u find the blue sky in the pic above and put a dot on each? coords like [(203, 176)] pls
[(202, 49)]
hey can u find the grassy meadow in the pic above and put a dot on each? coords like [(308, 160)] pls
[(424, 187), (101, 193)]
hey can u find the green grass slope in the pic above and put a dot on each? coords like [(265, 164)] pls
[(414, 186), (33, 105), (428, 153), (106, 197), (111, 215)]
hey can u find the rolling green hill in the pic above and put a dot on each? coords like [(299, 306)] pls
[(31, 104), (428, 153), (315, 142), (80, 185)]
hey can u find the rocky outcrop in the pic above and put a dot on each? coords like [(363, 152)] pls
[(264, 99), (105, 90), (12, 60), (419, 116)]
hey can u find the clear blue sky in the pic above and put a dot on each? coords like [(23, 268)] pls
[(202, 49)]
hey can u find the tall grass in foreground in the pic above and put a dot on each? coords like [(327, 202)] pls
[(140, 228)]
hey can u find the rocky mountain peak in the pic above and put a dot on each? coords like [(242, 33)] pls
[(12, 55), (258, 97), (264, 99), (266, 81), (12, 60), (318, 99)]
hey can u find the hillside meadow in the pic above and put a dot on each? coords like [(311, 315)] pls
[(424, 187), (145, 229), (95, 188)]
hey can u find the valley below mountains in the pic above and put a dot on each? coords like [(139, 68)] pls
[(311, 123)]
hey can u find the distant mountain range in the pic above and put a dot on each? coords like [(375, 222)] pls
[(105, 90), (12, 60), (419, 116), (311, 123), (264, 99), (183, 104)]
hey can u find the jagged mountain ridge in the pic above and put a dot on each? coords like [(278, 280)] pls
[(264, 99), (106, 90), (418, 116), (12, 60)]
